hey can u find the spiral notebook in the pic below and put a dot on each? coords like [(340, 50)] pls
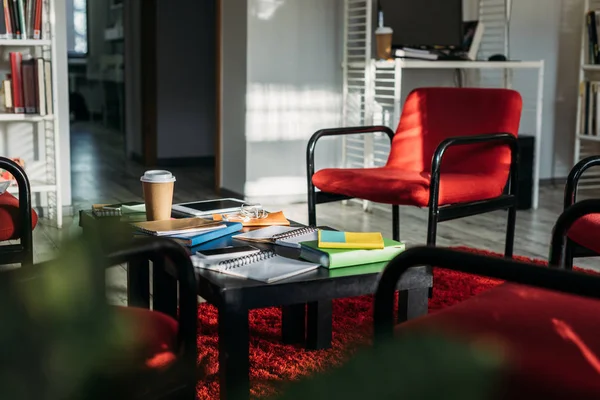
[(264, 266), (281, 235)]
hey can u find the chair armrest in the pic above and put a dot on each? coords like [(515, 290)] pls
[(494, 267), (25, 217), (161, 248), (562, 226), (575, 175), (310, 149), (499, 138)]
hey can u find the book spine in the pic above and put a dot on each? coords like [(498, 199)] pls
[(14, 15), (21, 12), (6, 85), (7, 22), (29, 22), (48, 85), (17, 82), (40, 86), (37, 17), (28, 77)]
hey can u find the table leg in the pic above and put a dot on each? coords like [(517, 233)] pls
[(293, 324), (412, 303), (138, 284), (318, 325), (234, 363), (164, 289)]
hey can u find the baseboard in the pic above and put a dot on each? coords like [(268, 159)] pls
[(553, 181), (208, 161)]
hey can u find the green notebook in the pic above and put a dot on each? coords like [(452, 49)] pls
[(337, 258)]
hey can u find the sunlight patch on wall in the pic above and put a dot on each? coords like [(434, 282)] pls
[(277, 112), (264, 9)]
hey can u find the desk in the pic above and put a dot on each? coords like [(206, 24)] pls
[(368, 82)]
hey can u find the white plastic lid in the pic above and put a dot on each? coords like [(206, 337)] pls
[(382, 30), (157, 176)]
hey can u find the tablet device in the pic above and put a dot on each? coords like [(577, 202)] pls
[(209, 207), (226, 253)]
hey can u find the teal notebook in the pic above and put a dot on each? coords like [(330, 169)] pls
[(338, 258)]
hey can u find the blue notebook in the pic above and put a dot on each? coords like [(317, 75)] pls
[(195, 240)]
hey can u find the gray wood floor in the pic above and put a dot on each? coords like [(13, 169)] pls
[(102, 174)]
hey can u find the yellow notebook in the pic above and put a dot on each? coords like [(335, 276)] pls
[(350, 240)]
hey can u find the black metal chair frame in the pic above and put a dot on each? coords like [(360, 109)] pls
[(158, 250), (23, 252), (437, 213), (571, 249), (495, 267)]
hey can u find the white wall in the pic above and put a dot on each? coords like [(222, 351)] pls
[(294, 89), (186, 78), (234, 23)]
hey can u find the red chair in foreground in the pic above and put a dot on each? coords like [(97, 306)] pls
[(542, 319), (455, 151), (584, 236), (17, 219)]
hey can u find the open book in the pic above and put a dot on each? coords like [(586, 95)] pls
[(263, 266), (281, 235)]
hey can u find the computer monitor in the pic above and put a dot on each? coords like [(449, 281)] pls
[(423, 23)]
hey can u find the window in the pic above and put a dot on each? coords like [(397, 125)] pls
[(77, 28)]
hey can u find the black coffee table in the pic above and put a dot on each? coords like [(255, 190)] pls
[(306, 302)]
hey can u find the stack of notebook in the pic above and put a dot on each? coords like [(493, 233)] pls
[(187, 231), (335, 249)]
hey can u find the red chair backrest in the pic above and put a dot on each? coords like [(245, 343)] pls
[(431, 115)]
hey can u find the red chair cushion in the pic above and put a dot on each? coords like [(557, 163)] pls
[(9, 217), (551, 339), (155, 334), (586, 232), (429, 116), (395, 186)]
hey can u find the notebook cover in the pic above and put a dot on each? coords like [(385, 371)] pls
[(170, 225), (338, 258), (264, 235), (208, 236), (350, 240)]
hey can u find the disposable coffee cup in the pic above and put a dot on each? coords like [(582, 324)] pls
[(383, 36), (158, 194)]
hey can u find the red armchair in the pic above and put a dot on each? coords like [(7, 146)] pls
[(582, 235), (17, 219), (543, 321), (430, 165)]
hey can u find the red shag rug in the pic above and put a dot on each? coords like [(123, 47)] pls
[(273, 363)]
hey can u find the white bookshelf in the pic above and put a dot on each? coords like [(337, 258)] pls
[(33, 137), (586, 144)]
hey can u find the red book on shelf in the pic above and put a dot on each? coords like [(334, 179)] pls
[(16, 60), (37, 24)]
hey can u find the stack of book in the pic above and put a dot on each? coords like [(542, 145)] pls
[(22, 19), (189, 232), (344, 249), (28, 87)]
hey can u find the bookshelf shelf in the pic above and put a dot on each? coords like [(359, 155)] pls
[(36, 187), (9, 117), (25, 42), (591, 138)]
